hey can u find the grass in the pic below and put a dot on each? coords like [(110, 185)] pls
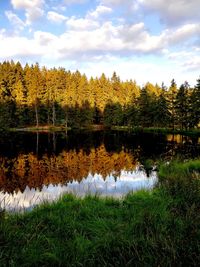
[(182, 182), (148, 228), (44, 128), (47, 128), (178, 170), (61, 128), (189, 132)]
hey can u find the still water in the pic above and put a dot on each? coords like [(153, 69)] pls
[(38, 167)]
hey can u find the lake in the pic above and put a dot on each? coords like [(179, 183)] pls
[(38, 167)]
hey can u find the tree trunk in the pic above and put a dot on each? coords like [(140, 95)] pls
[(36, 115), (54, 142), (37, 143), (48, 113), (66, 120), (54, 114)]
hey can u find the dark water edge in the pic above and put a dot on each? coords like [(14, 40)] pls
[(42, 166), (153, 144)]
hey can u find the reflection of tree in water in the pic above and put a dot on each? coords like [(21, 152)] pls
[(182, 147), (28, 170), (53, 158)]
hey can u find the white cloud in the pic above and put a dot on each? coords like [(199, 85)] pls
[(180, 54), (154, 71), (2, 32), (99, 11), (110, 36), (90, 38), (33, 9), (192, 65), (33, 15), (27, 4), (81, 24), (86, 38), (56, 17), (101, 39), (91, 21), (187, 60), (44, 38), (173, 12), (170, 12), (115, 2), (197, 49), (59, 8), (71, 2), (22, 47), (101, 55), (124, 39), (184, 33), (15, 20), (129, 6)]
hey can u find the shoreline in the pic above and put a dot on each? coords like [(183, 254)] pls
[(191, 132)]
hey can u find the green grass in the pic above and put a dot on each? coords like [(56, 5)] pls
[(177, 169), (148, 228), (182, 182)]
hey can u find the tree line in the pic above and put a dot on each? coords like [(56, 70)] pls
[(34, 95)]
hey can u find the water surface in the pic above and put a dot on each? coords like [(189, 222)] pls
[(42, 166)]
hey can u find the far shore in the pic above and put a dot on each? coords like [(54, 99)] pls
[(96, 127)]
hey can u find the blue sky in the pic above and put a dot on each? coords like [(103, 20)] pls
[(143, 40)]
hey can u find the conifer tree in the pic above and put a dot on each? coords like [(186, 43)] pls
[(195, 105), (35, 87), (145, 108), (182, 106), (171, 97)]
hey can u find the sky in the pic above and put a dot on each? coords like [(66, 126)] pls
[(143, 40)]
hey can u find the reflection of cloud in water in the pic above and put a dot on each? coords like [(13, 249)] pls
[(111, 186)]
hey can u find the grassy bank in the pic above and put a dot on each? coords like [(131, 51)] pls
[(45, 128), (157, 130), (49, 128), (96, 127), (157, 228)]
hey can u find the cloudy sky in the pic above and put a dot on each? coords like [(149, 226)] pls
[(145, 40)]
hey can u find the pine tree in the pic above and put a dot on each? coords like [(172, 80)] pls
[(145, 108), (182, 106), (7, 102), (195, 105), (35, 87), (171, 97), (161, 114)]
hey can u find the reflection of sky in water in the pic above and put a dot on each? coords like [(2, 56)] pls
[(116, 187)]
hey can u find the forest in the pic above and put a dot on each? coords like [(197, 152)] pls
[(36, 96)]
